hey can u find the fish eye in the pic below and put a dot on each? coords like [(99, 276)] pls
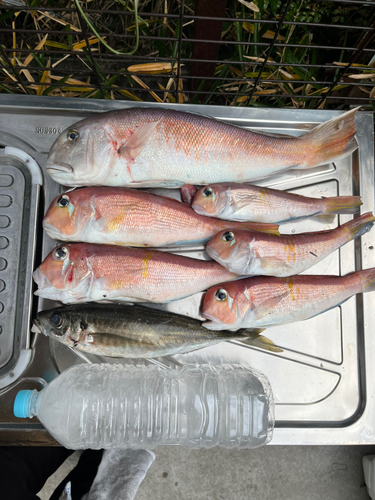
[(63, 201), (228, 236), (57, 320), (73, 135), (221, 295), (60, 253), (207, 192)]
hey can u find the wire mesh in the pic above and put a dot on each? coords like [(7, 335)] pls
[(262, 53)]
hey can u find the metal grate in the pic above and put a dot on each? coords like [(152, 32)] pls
[(266, 53)]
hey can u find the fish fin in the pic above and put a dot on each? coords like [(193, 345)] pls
[(238, 205), (262, 342), (82, 292), (262, 310), (129, 301), (137, 141), (187, 193), (100, 225), (119, 301), (271, 134), (324, 218), (269, 262), (263, 227), (331, 140), (103, 285), (343, 204), (359, 226), (157, 183)]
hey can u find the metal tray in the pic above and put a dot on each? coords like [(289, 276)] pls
[(324, 378)]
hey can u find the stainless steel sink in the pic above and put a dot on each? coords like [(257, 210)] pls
[(323, 381)]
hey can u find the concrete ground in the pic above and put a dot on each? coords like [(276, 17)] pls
[(270, 473)]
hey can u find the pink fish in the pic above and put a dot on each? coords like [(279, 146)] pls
[(149, 147), (243, 202), (262, 302), (250, 252), (82, 272), (133, 218)]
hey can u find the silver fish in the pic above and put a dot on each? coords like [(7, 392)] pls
[(133, 331)]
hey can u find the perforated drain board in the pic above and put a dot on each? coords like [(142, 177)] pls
[(14, 221)]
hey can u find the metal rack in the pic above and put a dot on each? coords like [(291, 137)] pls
[(105, 75)]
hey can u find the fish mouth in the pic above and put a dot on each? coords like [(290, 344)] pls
[(39, 279), (212, 323), (198, 209), (214, 254), (37, 327), (64, 168), (44, 285), (52, 231)]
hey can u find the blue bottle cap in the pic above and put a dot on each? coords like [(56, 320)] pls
[(21, 404)]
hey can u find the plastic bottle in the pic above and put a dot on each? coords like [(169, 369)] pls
[(116, 406)]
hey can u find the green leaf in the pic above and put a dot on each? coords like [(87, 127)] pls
[(6, 89), (300, 53), (5, 16), (175, 45), (39, 58), (195, 99), (162, 45), (275, 4), (69, 37), (303, 73), (217, 82), (239, 39), (260, 4), (53, 87), (111, 80)]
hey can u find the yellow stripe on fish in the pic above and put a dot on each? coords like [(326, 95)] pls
[(147, 257)]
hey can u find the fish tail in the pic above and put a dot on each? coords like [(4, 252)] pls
[(342, 204), (331, 140), (359, 226), (367, 279), (263, 227), (252, 337)]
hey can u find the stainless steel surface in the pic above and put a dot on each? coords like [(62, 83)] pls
[(19, 198), (324, 379)]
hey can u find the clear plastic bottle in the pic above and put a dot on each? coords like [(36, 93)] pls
[(116, 406)]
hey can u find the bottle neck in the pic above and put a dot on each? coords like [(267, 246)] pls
[(33, 404)]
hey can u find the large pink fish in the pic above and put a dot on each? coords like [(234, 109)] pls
[(243, 202), (262, 302), (252, 253), (133, 218), (82, 272), (149, 147)]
